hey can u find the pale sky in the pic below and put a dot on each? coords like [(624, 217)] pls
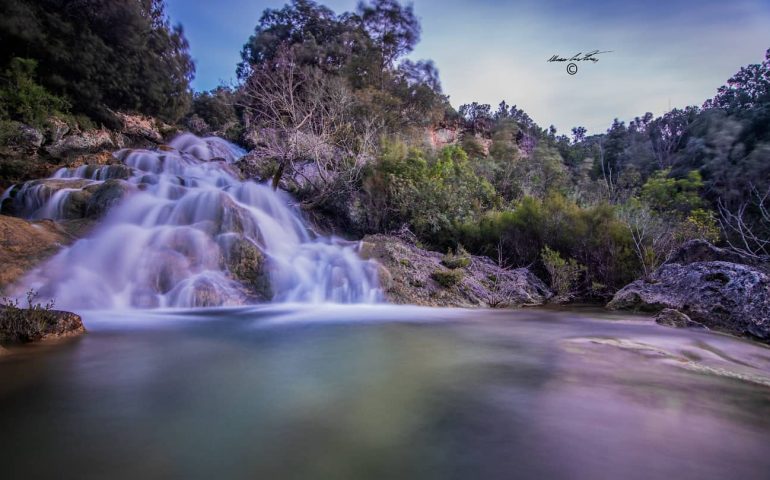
[(664, 53)]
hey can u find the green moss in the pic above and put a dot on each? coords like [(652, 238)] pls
[(247, 264), (447, 278)]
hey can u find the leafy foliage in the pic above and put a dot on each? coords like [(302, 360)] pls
[(564, 274), (101, 54), (23, 99), (430, 193)]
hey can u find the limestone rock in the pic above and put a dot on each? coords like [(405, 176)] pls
[(411, 275), (90, 141), (724, 296)]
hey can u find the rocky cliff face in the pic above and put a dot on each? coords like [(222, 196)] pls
[(725, 296), (411, 275), (36, 153)]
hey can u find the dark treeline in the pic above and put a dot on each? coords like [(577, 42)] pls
[(333, 111), (88, 57)]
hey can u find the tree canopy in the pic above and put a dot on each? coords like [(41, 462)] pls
[(101, 54)]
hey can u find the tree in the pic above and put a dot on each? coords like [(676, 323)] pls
[(303, 115), (478, 117), (747, 89), (578, 134), (393, 28), (669, 134), (102, 54), (217, 111), (749, 234), (317, 36), (22, 98)]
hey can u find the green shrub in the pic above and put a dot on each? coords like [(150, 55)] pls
[(447, 278), (699, 223), (8, 131), (460, 259), (430, 193), (22, 99), (594, 236), (564, 274)]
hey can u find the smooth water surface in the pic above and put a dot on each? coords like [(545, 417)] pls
[(367, 392)]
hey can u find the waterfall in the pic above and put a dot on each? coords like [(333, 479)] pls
[(185, 232)]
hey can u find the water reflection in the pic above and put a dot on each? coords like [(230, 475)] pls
[(388, 392)]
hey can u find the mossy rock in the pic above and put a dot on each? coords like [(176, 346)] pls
[(247, 264)]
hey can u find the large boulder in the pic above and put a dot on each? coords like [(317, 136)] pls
[(702, 251), (89, 141), (56, 129), (24, 325), (21, 140), (139, 127), (722, 295), (104, 196), (31, 137), (248, 265), (411, 275)]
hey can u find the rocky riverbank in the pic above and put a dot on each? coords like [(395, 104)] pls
[(412, 275), (699, 286)]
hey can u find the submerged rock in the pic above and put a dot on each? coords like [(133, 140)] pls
[(411, 275), (724, 296), (674, 318)]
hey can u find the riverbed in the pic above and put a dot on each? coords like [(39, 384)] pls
[(367, 392)]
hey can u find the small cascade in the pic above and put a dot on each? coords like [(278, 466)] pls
[(6, 195), (187, 232)]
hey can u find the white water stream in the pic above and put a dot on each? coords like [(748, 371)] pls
[(168, 241)]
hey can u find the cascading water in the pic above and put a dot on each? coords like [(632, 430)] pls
[(187, 232)]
